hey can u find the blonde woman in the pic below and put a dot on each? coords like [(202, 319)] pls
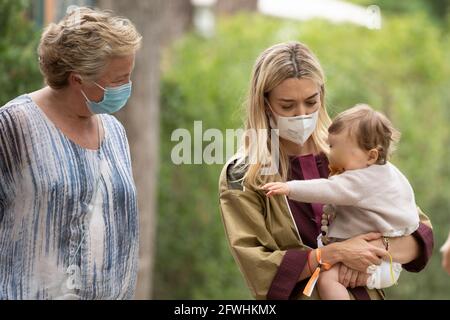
[(274, 239), (68, 212)]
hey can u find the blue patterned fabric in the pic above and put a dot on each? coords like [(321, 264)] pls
[(68, 215)]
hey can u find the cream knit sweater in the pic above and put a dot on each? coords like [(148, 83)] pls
[(378, 198)]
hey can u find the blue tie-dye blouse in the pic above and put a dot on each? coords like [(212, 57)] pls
[(68, 215)]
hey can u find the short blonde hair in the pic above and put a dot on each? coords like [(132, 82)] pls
[(83, 42), (370, 129)]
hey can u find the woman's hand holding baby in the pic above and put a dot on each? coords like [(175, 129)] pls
[(351, 278), (358, 253)]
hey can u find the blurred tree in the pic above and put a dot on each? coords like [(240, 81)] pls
[(19, 70), (235, 6), (159, 21)]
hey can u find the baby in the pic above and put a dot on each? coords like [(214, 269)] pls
[(367, 192)]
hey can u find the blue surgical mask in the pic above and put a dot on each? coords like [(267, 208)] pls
[(115, 98)]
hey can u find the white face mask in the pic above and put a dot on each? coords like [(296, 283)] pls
[(296, 129)]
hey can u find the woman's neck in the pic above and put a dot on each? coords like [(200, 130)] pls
[(294, 149), (63, 109), (67, 114), (68, 105), (63, 105)]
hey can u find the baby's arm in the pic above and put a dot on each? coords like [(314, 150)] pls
[(344, 190)]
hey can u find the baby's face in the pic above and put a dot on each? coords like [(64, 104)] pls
[(345, 154)]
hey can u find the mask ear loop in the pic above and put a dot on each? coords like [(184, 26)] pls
[(81, 78), (268, 106), (84, 95), (270, 115), (99, 86), (82, 91)]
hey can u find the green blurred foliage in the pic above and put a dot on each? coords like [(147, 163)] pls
[(19, 67), (401, 69)]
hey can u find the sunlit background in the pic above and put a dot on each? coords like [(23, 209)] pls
[(195, 65)]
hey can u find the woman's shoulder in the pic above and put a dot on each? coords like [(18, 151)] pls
[(18, 101), (17, 113), (232, 174), (14, 126), (16, 108)]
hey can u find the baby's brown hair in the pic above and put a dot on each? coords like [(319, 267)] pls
[(371, 130)]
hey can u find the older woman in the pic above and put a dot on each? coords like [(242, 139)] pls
[(274, 240), (68, 212)]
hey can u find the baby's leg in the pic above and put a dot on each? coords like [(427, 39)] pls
[(329, 286)]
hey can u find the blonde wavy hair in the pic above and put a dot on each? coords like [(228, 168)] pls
[(276, 64), (83, 42)]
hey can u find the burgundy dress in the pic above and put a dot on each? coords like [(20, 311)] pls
[(307, 217)]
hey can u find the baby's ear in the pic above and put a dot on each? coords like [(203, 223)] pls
[(373, 156)]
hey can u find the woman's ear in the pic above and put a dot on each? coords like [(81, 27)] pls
[(373, 155), (75, 80)]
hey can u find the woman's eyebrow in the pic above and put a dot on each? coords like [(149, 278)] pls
[(313, 96), (286, 100), (293, 100)]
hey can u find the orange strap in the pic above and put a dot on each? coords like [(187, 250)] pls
[(326, 266), (315, 276)]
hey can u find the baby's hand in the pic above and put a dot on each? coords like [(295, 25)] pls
[(276, 188)]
